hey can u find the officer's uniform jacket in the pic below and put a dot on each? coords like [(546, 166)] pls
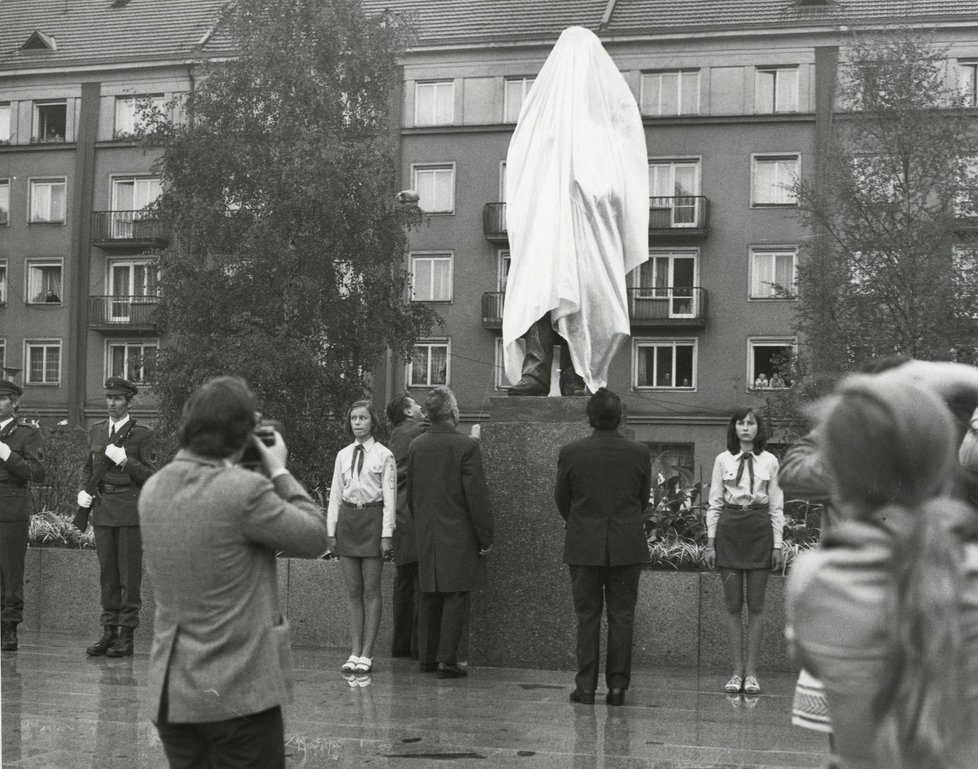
[(23, 467), (118, 491)]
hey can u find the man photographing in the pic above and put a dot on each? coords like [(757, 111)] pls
[(220, 668)]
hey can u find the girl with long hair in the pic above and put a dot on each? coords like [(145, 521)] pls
[(744, 525), (886, 612)]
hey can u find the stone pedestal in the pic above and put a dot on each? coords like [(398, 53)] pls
[(525, 617)]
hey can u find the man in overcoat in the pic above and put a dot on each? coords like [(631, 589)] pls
[(21, 458), (603, 487), (449, 501), (129, 451), (404, 413), (221, 666)]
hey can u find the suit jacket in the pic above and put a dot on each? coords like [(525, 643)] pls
[(210, 533), (405, 544), (603, 487), (449, 502), (115, 504), (19, 470)]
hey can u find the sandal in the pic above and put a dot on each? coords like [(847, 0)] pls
[(734, 685), (364, 665), (350, 664), (751, 685)]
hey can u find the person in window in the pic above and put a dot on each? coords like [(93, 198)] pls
[(777, 381), (761, 381), (360, 522), (744, 523), (52, 297)]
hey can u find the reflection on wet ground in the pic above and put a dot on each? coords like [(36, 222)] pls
[(62, 710)]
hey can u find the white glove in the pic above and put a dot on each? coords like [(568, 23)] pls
[(4, 451), (84, 499), (116, 453)]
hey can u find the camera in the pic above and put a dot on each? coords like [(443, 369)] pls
[(265, 432)]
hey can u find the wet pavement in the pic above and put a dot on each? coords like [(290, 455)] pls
[(62, 710)]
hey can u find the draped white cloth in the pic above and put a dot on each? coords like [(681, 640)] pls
[(577, 206)]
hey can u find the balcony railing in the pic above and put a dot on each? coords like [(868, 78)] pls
[(679, 306), (492, 309), (672, 306), (679, 215), (125, 313), (127, 229)]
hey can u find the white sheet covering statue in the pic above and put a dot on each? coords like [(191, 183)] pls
[(577, 210)]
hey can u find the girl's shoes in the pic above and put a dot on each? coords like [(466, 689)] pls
[(350, 665), (751, 685), (735, 684), (363, 665)]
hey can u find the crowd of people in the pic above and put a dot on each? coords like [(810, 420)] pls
[(883, 616)]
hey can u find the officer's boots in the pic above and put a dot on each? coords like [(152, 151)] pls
[(8, 637), (123, 644), (101, 646)]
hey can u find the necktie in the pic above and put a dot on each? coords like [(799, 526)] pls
[(358, 459), (111, 433), (746, 459)]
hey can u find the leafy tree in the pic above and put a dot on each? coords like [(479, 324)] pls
[(889, 268), (287, 260)]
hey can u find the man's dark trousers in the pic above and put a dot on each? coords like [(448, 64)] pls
[(591, 587), (443, 617), (120, 559), (13, 550), (407, 600)]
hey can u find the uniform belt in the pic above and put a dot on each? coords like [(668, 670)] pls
[(752, 506), (364, 505), (112, 488)]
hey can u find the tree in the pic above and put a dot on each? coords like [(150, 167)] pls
[(279, 188), (887, 269)]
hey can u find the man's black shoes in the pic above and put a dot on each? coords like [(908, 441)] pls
[(451, 671), (615, 697), (582, 697)]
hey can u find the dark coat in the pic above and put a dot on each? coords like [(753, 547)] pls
[(405, 544), (603, 487), (449, 501), (23, 467), (115, 504)]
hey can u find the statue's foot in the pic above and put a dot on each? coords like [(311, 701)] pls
[(528, 386), (573, 386)]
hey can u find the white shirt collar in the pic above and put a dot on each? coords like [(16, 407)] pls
[(118, 425), (6, 422)]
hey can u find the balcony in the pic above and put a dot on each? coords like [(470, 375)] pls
[(494, 222), (674, 306), (123, 313), (492, 309), (681, 215), (127, 229)]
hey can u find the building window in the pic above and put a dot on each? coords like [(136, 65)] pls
[(3, 354), (136, 361), (772, 273), (664, 364), (4, 122), (435, 185), (3, 283), (674, 187), (502, 270), (672, 456), (50, 121), (130, 195), (429, 364), (48, 200), (431, 277), (4, 201), (667, 278), (516, 90), (434, 103), (966, 197), (769, 363), (133, 113), (776, 90), (43, 362), (671, 93), (773, 180), (968, 81), (134, 277), (44, 282)]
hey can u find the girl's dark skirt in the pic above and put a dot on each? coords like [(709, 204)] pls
[(744, 538), (358, 530)]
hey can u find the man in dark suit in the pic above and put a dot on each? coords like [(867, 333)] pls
[(20, 465), (404, 413), (449, 501), (221, 665), (116, 518), (603, 487)]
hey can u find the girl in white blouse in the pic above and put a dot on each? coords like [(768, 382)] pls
[(360, 524), (744, 525)]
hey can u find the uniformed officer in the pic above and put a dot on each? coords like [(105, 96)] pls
[(116, 518), (21, 460)]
